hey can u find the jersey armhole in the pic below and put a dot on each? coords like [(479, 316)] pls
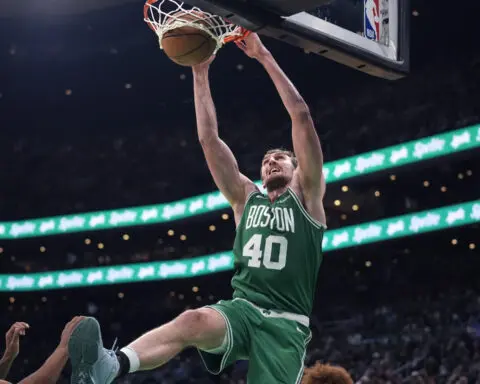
[(250, 195), (309, 217)]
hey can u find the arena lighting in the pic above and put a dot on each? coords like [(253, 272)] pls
[(382, 159), (357, 235)]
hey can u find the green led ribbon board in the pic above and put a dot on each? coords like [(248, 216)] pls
[(379, 160), (381, 230)]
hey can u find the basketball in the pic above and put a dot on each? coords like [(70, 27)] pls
[(188, 46)]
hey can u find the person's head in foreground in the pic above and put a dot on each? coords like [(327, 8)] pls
[(326, 374)]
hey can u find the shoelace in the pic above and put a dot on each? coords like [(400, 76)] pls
[(114, 348)]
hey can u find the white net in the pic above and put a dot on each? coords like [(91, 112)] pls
[(165, 15)]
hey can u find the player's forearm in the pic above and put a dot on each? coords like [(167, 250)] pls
[(5, 365), (50, 371), (206, 115), (291, 98)]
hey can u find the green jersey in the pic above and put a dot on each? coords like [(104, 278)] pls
[(278, 253)]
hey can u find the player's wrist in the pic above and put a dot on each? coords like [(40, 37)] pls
[(63, 344), (200, 70), (7, 357), (62, 349), (263, 55)]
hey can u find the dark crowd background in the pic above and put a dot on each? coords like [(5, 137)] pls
[(94, 117)]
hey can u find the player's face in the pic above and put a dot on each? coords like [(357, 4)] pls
[(277, 170)]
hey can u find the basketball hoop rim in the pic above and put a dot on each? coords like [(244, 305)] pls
[(242, 32)]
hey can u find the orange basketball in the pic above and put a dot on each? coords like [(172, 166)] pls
[(188, 45)]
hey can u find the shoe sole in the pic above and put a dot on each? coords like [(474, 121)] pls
[(84, 348)]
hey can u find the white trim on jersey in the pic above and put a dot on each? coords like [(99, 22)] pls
[(314, 222)]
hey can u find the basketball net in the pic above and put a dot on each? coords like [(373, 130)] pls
[(165, 15)]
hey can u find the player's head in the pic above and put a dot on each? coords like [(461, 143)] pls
[(277, 169), (326, 374)]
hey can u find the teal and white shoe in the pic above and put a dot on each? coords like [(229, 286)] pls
[(91, 363)]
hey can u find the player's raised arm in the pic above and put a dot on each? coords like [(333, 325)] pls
[(50, 371), (12, 347), (220, 159), (306, 143)]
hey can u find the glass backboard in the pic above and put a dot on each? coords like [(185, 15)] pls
[(369, 35)]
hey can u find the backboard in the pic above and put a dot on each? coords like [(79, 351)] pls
[(369, 35)]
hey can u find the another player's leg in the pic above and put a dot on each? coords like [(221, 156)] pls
[(203, 328)]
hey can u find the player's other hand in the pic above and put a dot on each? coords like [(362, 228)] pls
[(12, 339), (68, 330), (252, 46), (203, 67)]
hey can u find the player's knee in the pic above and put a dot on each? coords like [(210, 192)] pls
[(193, 324), (199, 326)]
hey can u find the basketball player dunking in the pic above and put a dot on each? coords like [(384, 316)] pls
[(278, 252)]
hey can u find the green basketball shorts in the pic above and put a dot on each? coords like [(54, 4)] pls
[(274, 342)]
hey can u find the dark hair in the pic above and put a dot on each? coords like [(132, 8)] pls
[(285, 152), (326, 374)]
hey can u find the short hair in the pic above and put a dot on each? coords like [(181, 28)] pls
[(285, 152), (326, 374)]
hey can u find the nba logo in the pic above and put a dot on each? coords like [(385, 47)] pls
[(372, 19)]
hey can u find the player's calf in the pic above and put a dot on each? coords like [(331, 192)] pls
[(92, 364)]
